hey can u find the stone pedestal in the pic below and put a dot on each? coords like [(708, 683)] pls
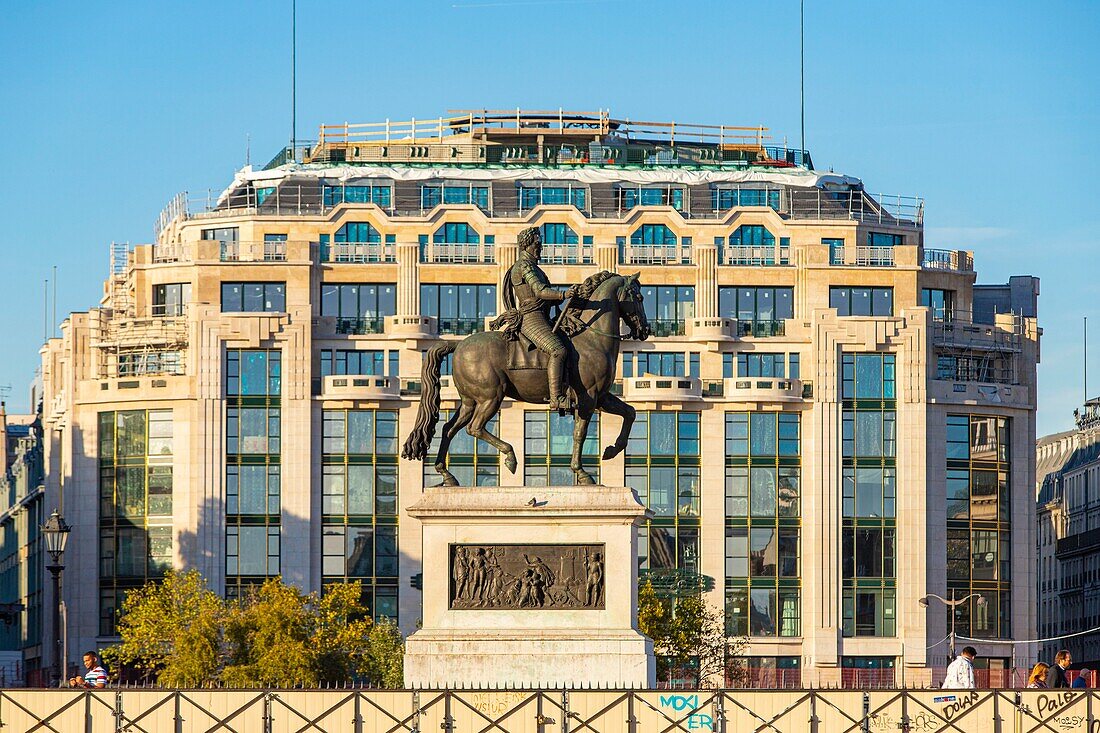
[(529, 587)]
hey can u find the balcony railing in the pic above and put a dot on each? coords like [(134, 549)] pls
[(361, 326), (254, 251), (567, 254), (956, 260), (667, 327), (168, 310), (867, 256), (357, 252), (461, 326), (655, 254), (454, 252), (756, 256), (887, 209), (761, 328)]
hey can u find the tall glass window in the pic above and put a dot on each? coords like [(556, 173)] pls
[(359, 504), (558, 234), (135, 504), (359, 308), (459, 308), (869, 494), (654, 234), (357, 231), (532, 196), (862, 301), (473, 462), (667, 307), (660, 364), (662, 465), (366, 362), (752, 235), (434, 195), (940, 302), (548, 448), (759, 311), (652, 196), (360, 194), (253, 470), (763, 523), (265, 297), (979, 533), (456, 233), (731, 198), (170, 299)]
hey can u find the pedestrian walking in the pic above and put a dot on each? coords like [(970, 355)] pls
[(960, 673), (1083, 679), (1062, 660), (1037, 680)]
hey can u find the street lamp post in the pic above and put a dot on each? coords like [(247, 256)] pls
[(952, 604), (56, 533)]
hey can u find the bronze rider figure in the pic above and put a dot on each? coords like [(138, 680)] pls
[(528, 296)]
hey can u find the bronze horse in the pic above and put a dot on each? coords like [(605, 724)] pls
[(482, 374)]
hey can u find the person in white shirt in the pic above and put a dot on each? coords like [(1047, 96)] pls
[(960, 673)]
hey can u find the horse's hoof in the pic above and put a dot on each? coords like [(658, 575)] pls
[(584, 479), (510, 464), (610, 452)]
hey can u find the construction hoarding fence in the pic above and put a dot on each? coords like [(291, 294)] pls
[(548, 711)]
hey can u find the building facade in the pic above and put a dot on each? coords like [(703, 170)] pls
[(1068, 538), (825, 431), (22, 580)]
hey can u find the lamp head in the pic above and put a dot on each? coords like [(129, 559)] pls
[(56, 534), (923, 601)]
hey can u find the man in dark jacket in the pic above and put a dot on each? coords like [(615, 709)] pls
[(1062, 660)]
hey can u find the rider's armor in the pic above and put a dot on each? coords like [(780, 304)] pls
[(533, 296)]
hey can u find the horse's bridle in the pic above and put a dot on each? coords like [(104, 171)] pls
[(618, 336)]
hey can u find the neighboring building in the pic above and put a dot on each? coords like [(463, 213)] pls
[(1068, 547), (236, 402), (21, 564)]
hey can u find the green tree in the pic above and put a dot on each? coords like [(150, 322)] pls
[(184, 635), (387, 655), (172, 630), (689, 639)]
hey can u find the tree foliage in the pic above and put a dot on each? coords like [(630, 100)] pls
[(689, 639), (275, 635), (172, 630)]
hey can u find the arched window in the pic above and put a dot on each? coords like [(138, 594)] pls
[(357, 231), (752, 235), (456, 233), (653, 234), (558, 234)]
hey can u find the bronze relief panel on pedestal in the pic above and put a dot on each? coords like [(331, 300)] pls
[(549, 577)]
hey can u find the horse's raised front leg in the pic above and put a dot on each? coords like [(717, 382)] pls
[(483, 413), (580, 432), (610, 403), (450, 430)]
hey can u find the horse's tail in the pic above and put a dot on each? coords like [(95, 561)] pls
[(416, 445)]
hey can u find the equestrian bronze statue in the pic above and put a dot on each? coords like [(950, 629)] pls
[(567, 363)]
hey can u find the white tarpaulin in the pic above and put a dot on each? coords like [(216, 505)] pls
[(610, 174)]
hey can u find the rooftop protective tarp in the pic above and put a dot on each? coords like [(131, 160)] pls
[(610, 174)]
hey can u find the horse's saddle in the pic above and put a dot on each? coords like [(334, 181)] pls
[(522, 354)]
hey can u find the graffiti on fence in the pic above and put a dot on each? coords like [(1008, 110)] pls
[(684, 703), (495, 703)]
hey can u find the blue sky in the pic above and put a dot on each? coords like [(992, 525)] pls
[(986, 109)]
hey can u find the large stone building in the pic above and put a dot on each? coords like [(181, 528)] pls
[(1068, 538), (22, 570), (825, 429)]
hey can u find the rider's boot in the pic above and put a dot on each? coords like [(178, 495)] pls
[(554, 372)]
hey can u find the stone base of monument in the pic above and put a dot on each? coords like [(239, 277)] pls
[(529, 587)]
